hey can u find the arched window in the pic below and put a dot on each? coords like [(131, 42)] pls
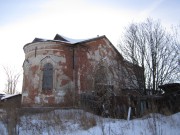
[(47, 82)]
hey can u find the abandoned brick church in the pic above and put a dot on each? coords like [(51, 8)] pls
[(55, 68)]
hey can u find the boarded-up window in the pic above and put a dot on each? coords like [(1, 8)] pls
[(47, 83)]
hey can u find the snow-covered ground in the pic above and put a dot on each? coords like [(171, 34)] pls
[(3, 129), (78, 122)]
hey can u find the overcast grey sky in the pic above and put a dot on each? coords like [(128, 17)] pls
[(23, 20)]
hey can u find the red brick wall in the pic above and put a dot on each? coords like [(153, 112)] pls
[(60, 55), (76, 67)]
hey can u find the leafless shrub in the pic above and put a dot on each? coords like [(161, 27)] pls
[(87, 122)]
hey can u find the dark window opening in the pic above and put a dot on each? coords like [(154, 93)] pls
[(47, 82)]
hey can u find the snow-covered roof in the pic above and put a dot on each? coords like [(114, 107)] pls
[(2, 93), (72, 41), (61, 38), (38, 40), (9, 96)]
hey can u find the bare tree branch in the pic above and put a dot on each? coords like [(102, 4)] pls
[(12, 80), (150, 46)]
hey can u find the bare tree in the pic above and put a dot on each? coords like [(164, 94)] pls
[(12, 80), (151, 47), (176, 33)]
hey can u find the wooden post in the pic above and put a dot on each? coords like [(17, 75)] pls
[(129, 113)]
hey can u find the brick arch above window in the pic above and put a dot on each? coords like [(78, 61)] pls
[(47, 59)]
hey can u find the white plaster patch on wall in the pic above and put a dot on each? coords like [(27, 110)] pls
[(37, 99), (58, 59), (63, 59), (45, 100), (102, 50), (59, 82), (60, 93), (59, 99), (59, 96), (72, 86), (66, 86), (110, 53), (36, 81), (97, 55), (26, 65), (78, 81), (39, 45), (93, 55), (63, 77), (25, 93), (36, 61), (89, 55)]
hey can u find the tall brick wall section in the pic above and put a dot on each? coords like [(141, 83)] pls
[(89, 57), (36, 55), (77, 68)]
